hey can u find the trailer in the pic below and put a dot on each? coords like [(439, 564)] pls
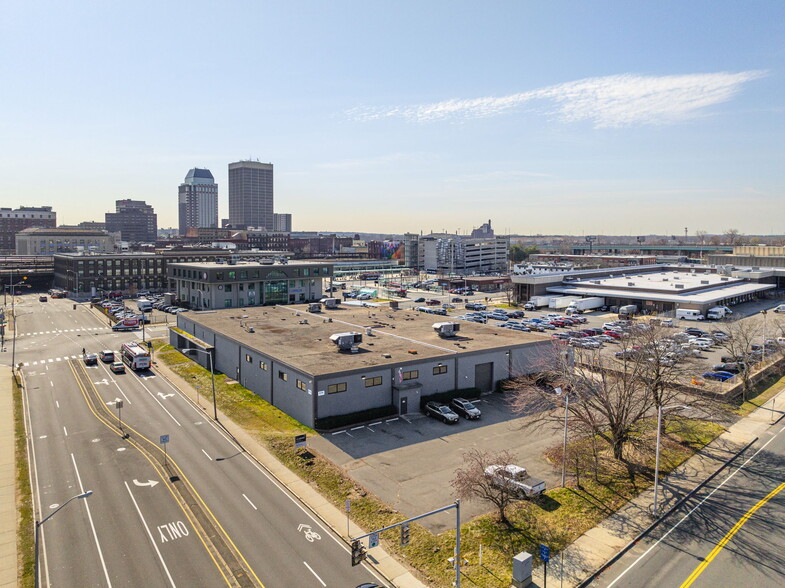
[(562, 301), (628, 311), (584, 304), (539, 301)]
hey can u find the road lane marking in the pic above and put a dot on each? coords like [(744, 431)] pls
[(208, 456), (696, 507), (249, 502), (149, 535), (57, 403), (158, 401), (92, 526), (314, 573), (65, 431), (729, 535)]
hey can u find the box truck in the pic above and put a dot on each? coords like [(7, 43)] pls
[(628, 311), (716, 313), (562, 301), (540, 301), (689, 314)]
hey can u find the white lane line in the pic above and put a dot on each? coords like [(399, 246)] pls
[(51, 360), (57, 403), (154, 397), (65, 431), (357, 428), (314, 573), (376, 423), (149, 535), (92, 526), (391, 420), (58, 359), (249, 502), (208, 456), (697, 506), (51, 383)]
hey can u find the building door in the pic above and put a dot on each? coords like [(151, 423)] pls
[(404, 405), (483, 377)]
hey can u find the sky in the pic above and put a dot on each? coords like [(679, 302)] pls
[(580, 117)]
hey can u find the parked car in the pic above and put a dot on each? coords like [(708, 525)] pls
[(529, 306), (91, 359), (42, 299), (718, 376), (515, 479), (731, 368), (117, 367), (107, 356), (456, 299), (420, 299), (440, 411), (465, 408)]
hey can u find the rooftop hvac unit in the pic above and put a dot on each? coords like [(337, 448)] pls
[(345, 341), (724, 279), (679, 285), (630, 283), (446, 330), (704, 281)]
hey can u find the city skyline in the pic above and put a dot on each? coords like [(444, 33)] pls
[(568, 118)]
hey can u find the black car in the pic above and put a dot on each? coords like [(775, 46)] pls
[(465, 408), (421, 299), (696, 331), (440, 411)]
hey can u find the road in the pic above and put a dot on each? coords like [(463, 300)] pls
[(206, 514), (729, 534)]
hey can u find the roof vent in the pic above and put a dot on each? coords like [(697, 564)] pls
[(346, 341), (704, 281), (679, 285)]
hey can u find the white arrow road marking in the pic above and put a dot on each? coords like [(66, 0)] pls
[(104, 381), (150, 483), (164, 396)]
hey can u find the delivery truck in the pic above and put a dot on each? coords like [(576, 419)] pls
[(539, 302), (562, 301)]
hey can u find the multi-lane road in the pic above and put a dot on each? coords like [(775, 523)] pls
[(204, 514), (729, 534)]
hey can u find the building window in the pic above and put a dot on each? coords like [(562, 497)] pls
[(335, 388), (306, 272), (219, 275), (301, 385), (411, 375), (439, 369), (283, 376), (324, 271), (248, 358), (243, 275), (370, 382), (228, 288), (263, 365), (232, 275)]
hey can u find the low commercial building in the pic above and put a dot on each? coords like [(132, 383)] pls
[(45, 241), (654, 289), (208, 285), (287, 356), (14, 220)]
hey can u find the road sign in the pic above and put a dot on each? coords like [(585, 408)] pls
[(373, 540), (299, 440), (164, 439), (545, 553), (348, 505), (118, 403)]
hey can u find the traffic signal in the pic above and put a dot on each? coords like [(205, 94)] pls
[(405, 534), (358, 553)]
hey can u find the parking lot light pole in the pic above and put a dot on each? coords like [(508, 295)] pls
[(657, 452), (212, 375), (41, 522), (564, 449)]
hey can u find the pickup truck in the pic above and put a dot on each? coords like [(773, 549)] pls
[(516, 480)]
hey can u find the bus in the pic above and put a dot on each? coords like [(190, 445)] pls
[(136, 356)]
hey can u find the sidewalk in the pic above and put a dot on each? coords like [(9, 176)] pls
[(8, 562), (598, 545), (333, 517)]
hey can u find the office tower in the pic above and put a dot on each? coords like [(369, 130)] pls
[(251, 195), (135, 220), (24, 217), (282, 222), (198, 201)]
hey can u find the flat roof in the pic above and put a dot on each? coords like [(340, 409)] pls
[(398, 336), (664, 281), (243, 263), (699, 297)]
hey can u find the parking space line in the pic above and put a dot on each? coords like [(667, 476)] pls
[(391, 420), (356, 428), (374, 424), (339, 432)]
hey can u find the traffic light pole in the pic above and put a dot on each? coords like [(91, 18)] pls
[(358, 553)]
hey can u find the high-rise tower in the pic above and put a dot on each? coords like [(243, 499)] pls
[(251, 195), (198, 200)]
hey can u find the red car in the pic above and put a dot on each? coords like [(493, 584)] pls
[(613, 334)]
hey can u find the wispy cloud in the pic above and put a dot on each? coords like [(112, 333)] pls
[(610, 101), (498, 176)]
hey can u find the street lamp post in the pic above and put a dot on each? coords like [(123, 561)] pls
[(212, 375), (76, 282), (657, 453), (41, 522), (564, 449), (13, 314)]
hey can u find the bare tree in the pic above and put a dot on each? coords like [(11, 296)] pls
[(732, 236), (472, 483), (742, 335), (701, 236)]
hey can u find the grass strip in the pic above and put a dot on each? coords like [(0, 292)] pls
[(25, 523)]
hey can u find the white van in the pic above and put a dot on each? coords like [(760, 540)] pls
[(689, 314)]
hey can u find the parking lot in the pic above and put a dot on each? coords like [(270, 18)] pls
[(409, 461)]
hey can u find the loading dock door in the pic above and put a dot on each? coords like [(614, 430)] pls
[(483, 376)]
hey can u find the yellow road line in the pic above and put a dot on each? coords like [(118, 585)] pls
[(729, 535)]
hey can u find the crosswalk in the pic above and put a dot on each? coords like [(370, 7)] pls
[(52, 360), (55, 332)]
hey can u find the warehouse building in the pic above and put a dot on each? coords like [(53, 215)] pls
[(390, 359)]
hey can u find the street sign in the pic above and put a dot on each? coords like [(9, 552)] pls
[(299, 440), (373, 540), (118, 403), (164, 439), (545, 553), (348, 505)]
